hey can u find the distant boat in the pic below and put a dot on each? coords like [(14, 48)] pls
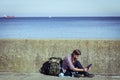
[(50, 16), (5, 16)]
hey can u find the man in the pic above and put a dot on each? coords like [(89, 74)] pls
[(72, 65)]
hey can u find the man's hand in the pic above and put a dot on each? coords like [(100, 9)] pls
[(85, 69)]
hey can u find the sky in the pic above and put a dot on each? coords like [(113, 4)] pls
[(37, 8)]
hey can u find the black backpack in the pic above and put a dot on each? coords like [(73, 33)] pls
[(52, 67)]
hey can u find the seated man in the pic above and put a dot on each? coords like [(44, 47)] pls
[(72, 65)]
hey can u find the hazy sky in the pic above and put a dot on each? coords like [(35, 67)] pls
[(60, 7)]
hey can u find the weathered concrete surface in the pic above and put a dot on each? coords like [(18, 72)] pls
[(26, 55), (38, 76)]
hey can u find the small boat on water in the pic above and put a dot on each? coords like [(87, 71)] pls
[(9, 17)]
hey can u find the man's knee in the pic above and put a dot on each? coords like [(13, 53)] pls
[(78, 64)]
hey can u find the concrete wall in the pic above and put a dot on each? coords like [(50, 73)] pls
[(28, 55)]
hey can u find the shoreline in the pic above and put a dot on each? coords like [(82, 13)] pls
[(52, 39)]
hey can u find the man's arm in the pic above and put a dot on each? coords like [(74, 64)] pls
[(70, 64), (77, 69)]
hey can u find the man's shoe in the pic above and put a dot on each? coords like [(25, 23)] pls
[(86, 74), (78, 75), (90, 75)]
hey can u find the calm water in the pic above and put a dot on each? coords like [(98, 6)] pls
[(61, 28)]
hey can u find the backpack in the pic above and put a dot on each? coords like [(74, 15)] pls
[(45, 68), (52, 66), (55, 66)]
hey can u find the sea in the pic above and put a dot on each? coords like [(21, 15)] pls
[(60, 28)]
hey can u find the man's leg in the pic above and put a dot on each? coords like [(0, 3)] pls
[(77, 64), (68, 72)]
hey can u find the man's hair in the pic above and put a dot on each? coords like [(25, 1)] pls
[(76, 52)]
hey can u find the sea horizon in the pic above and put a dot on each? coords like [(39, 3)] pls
[(62, 16), (68, 17)]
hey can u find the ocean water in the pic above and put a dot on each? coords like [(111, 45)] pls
[(61, 28)]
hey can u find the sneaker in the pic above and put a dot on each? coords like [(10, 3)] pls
[(78, 75), (89, 75), (86, 74)]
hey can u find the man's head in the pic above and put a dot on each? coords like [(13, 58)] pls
[(76, 53)]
